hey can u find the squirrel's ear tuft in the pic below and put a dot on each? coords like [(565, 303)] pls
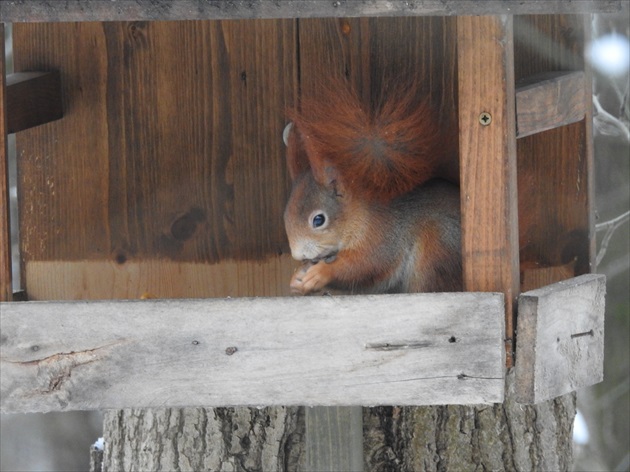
[(286, 132), (330, 178), (297, 160)]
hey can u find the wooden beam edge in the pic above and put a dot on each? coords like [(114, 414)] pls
[(439, 348), (548, 101), (147, 10), (33, 99), (560, 344), (6, 275)]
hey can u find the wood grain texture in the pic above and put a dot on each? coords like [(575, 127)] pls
[(143, 10), (172, 144), (533, 278), (555, 167), (549, 100), (156, 278), (334, 439), (432, 349), (6, 276), (33, 99), (488, 159), (561, 338)]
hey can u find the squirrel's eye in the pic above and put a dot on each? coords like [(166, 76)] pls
[(319, 220)]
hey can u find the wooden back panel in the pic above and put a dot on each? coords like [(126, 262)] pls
[(166, 177), (168, 164)]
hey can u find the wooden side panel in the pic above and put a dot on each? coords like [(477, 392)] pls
[(6, 277), (433, 349), (561, 338), (488, 158), (555, 167), (170, 150)]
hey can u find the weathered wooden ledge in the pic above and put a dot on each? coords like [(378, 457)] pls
[(560, 344), (146, 10), (416, 349)]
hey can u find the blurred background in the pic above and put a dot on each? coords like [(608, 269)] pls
[(61, 441), (603, 443)]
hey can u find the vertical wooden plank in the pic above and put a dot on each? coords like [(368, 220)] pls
[(555, 168), (587, 200), (488, 159), (169, 158), (333, 439), (6, 288)]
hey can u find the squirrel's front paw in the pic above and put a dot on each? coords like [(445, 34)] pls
[(311, 278)]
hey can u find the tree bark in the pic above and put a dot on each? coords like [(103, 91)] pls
[(508, 436), (196, 439)]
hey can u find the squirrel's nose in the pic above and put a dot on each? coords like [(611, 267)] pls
[(299, 250), (297, 255), (295, 252)]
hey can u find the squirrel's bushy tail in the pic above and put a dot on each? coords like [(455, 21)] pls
[(381, 150)]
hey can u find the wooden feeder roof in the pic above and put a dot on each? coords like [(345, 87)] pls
[(145, 10)]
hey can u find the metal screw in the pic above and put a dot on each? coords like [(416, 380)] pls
[(485, 118)]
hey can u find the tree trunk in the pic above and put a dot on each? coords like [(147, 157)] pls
[(509, 436), (198, 439)]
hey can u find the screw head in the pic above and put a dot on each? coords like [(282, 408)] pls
[(485, 118)]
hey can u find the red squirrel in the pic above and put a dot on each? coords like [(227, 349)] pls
[(366, 213)]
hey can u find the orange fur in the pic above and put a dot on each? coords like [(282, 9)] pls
[(390, 225), (380, 152)]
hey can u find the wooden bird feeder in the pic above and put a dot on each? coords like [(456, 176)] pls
[(151, 165)]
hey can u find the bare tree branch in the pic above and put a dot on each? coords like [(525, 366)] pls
[(610, 226), (607, 124)]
